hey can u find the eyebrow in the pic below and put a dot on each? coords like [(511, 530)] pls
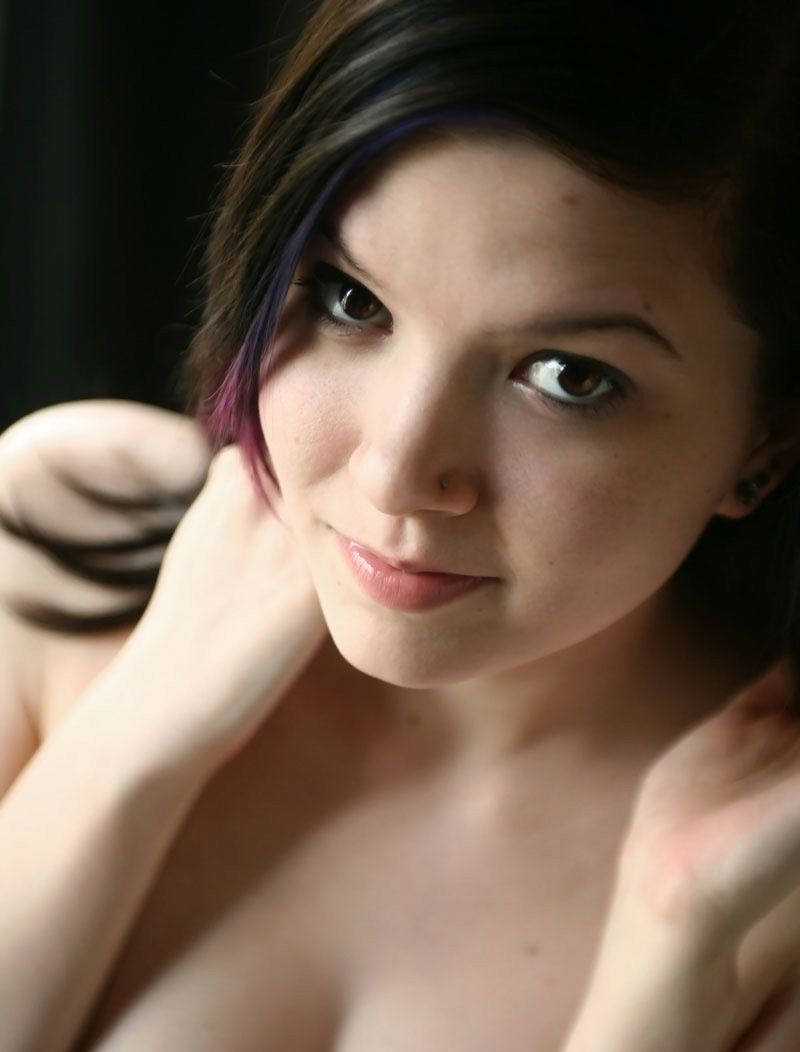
[(557, 325)]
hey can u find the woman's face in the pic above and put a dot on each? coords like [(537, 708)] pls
[(584, 460)]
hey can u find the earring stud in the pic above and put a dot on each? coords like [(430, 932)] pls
[(747, 491)]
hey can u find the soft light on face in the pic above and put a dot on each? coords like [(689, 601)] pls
[(475, 246)]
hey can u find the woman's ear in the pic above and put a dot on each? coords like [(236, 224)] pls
[(762, 472)]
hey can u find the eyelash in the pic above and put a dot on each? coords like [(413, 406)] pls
[(313, 302)]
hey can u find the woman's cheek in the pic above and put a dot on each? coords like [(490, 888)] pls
[(597, 507), (306, 422), (568, 481)]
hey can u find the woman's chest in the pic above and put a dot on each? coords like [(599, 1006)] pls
[(298, 913), (301, 910)]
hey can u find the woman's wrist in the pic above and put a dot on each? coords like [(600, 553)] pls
[(655, 988)]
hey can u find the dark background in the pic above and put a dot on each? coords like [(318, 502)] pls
[(117, 121)]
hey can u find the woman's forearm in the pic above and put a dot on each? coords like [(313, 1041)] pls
[(83, 833), (669, 1016), (652, 990)]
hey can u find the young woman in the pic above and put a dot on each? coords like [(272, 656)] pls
[(454, 716)]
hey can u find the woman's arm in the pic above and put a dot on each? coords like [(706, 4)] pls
[(86, 825), (652, 990), (641, 1000), (712, 849), (83, 833)]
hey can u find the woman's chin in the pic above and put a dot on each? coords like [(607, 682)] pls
[(397, 663)]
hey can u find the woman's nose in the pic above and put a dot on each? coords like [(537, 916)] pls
[(418, 446)]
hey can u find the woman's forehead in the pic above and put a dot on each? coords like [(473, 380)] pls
[(494, 215), (491, 231), (502, 199)]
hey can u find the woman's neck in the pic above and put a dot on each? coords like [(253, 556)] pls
[(624, 693)]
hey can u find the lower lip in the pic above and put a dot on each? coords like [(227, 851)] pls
[(404, 591)]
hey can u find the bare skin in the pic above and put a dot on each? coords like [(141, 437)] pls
[(354, 802), (418, 847), (473, 875), (362, 896)]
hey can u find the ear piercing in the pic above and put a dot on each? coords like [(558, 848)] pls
[(747, 491), (443, 482)]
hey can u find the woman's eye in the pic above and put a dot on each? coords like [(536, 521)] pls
[(574, 383), (338, 302)]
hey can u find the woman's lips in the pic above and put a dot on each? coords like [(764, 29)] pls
[(399, 590)]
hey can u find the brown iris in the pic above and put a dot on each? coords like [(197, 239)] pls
[(588, 379), (356, 302)]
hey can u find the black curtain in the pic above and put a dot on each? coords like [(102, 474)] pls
[(117, 121)]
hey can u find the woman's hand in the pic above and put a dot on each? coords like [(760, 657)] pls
[(714, 841), (712, 847), (231, 560), (234, 617)]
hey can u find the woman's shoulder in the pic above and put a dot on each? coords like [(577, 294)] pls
[(51, 461)]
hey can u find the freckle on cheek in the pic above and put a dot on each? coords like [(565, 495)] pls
[(569, 199)]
